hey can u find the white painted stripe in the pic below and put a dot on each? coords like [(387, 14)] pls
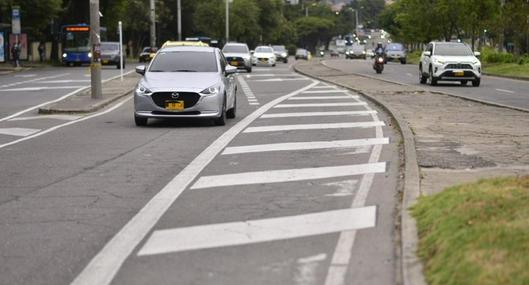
[(281, 79), (58, 99), (409, 74), (258, 231), (320, 105), (42, 117), (32, 80), (324, 97), (304, 145), (326, 91), (306, 273), (25, 75), (18, 132), (25, 89), (104, 266), (260, 75), (313, 127), (505, 91), (288, 175), (314, 114), (254, 104), (322, 87), (63, 81)]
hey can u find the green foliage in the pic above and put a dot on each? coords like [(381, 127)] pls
[(490, 55), (312, 29)]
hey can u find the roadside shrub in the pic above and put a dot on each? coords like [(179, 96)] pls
[(490, 55), (523, 59)]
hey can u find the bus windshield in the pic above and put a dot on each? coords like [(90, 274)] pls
[(76, 41)]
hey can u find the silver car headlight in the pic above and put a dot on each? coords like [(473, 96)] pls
[(437, 61), (284, 54), (143, 90), (210, 91)]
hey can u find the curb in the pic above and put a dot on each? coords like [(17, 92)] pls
[(411, 266), (100, 105)]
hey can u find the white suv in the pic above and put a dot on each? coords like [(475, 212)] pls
[(447, 61)]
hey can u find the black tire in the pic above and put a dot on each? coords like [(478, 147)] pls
[(464, 82), (476, 82), (403, 61), (249, 69), (285, 61), (118, 66), (422, 78), (140, 121), (378, 71), (232, 113), (431, 78), (274, 65), (221, 121)]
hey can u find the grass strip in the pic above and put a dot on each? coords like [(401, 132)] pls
[(476, 233), (507, 69)]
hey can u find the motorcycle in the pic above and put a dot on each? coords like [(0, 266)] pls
[(322, 53), (378, 66)]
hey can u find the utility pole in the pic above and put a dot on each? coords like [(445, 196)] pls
[(95, 40), (153, 23), (227, 21), (179, 15)]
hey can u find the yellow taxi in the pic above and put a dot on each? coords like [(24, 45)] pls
[(184, 43)]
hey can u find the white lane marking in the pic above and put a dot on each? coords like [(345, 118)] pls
[(323, 87), (25, 75), (63, 81), (18, 132), (309, 105), (313, 127), (344, 247), (505, 91), (307, 268), (65, 124), (304, 145), (330, 97), (260, 75), (409, 74), (281, 79), (314, 114), (58, 99), (42, 117), (104, 266), (326, 91), (247, 91), (254, 104), (258, 231), (32, 80), (343, 188), (287, 175), (25, 89)]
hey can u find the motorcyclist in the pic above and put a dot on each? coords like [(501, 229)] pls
[(379, 50), (378, 64)]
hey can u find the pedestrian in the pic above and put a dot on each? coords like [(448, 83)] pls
[(42, 52), (15, 52)]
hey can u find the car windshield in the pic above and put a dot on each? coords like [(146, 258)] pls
[(452, 50), (109, 47), (184, 61), (301, 51), (395, 47), (235, 49), (264, 49), (279, 48)]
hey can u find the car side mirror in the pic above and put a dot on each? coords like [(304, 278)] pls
[(230, 69), (427, 53), (140, 69), (477, 54)]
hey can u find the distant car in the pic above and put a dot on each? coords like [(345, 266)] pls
[(302, 53), (356, 51), (395, 51), (238, 55), (186, 82), (370, 53), (110, 54), (147, 54), (281, 53), (334, 53), (264, 55), (447, 61)]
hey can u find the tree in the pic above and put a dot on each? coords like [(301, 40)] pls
[(313, 30)]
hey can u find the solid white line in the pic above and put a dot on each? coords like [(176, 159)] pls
[(287, 175), (344, 247), (313, 127), (40, 88), (505, 91), (304, 145), (254, 104), (314, 114), (64, 125), (25, 75), (58, 99), (258, 231), (18, 132), (104, 266), (63, 81), (42, 117), (320, 105), (331, 97), (325, 91), (409, 74), (323, 87), (307, 269), (32, 80)]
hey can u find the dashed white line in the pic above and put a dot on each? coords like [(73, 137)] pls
[(248, 92), (32, 80), (313, 127), (326, 91), (18, 132), (258, 231), (310, 105), (330, 97), (314, 114), (25, 89), (505, 91), (42, 117)]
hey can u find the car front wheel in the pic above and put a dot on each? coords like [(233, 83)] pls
[(422, 78), (476, 82), (221, 120), (431, 78)]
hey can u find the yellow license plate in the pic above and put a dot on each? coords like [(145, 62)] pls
[(264, 60), (234, 63), (105, 61), (459, 73), (174, 105)]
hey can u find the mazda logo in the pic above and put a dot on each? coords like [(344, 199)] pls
[(175, 95)]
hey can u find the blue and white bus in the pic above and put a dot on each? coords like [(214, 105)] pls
[(75, 41)]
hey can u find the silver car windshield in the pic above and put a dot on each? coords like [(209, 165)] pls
[(184, 61), (109, 47), (279, 48), (452, 50), (235, 49), (395, 47), (264, 49)]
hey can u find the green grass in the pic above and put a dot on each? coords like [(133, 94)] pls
[(414, 57), (507, 69), (476, 233)]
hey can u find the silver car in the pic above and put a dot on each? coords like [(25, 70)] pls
[(238, 54), (186, 82)]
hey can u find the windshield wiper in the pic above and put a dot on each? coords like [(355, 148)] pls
[(183, 70)]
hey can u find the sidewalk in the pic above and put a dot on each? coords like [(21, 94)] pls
[(453, 140), (82, 102)]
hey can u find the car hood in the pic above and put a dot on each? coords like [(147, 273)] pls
[(188, 81), (456, 59), (235, 54), (263, 54)]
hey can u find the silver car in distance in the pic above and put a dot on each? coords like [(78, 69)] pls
[(186, 82)]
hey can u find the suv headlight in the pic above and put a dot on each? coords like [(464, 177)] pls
[(210, 91), (437, 61), (143, 90), (284, 54)]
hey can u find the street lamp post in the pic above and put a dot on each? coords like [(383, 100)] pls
[(227, 20), (95, 40), (179, 16), (153, 23)]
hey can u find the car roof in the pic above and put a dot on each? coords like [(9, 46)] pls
[(184, 43), (235, 44), (263, 47), (188, 48)]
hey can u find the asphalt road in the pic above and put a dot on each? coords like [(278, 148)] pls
[(300, 188), (503, 91)]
